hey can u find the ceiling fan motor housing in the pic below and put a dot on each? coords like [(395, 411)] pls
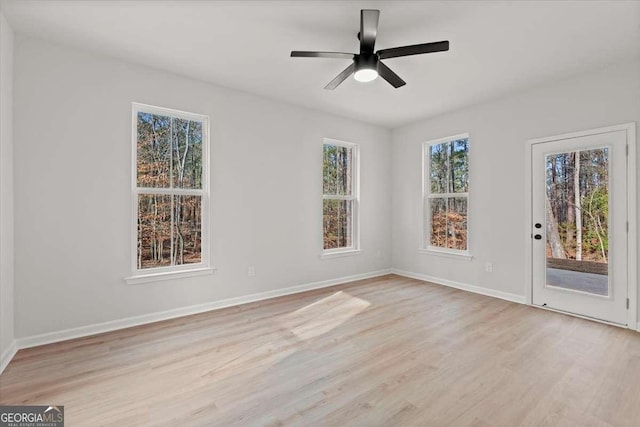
[(366, 61)]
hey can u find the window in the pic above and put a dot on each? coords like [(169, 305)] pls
[(170, 190), (446, 194), (340, 196)]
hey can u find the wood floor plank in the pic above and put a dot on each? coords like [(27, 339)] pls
[(384, 351)]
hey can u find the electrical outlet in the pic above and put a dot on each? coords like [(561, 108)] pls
[(251, 271), (488, 267)]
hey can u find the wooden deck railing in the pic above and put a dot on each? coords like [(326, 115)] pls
[(582, 266)]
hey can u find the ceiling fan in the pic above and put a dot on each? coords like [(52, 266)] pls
[(366, 65)]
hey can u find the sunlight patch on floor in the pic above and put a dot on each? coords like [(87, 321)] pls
[(323, 315), (312, 320)]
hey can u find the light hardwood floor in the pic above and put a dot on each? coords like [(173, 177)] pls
[(387, 351)]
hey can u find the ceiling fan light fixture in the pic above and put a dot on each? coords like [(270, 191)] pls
[(365, 75), (366, 66)]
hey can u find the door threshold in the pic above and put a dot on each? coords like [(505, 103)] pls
[(581, 316)]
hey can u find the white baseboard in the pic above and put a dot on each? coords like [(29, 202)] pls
[(520, 299), (8, 355), (638, 328), (97, 328)]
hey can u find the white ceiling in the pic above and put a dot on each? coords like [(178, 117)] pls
[(496, 47)]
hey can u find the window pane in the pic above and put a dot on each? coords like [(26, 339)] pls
[(438, 209), (449, 167), (187, 154), (577, 220), (457, 223), (448, 173), (153, 150), (337, 216), (330, 169), (154, 230), (459, 162), (344, 164), (187, 231), (438, 161)]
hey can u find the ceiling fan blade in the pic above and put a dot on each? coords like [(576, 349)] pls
[(341, 77), (386, 73), (311, 54), (415, 49), (368, 29)]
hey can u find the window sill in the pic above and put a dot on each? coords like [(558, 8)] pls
[(168, 275), (446, 254), (338, 254)]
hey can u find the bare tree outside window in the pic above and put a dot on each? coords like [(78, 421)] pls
[(339, 169), (169, 188), (446, 194), (577, 205)]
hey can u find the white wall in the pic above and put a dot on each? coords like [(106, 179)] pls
[(72, 182), (498, 133), (6, 190), (72, 190)]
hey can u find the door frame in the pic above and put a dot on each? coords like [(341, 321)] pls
[(632, 236)]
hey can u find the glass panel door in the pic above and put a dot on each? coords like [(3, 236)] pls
[(578, 232)]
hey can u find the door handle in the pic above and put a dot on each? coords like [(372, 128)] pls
[(537, 237)]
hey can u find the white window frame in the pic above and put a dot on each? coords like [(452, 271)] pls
[(354, 249), (175, 271), (425, 246)]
